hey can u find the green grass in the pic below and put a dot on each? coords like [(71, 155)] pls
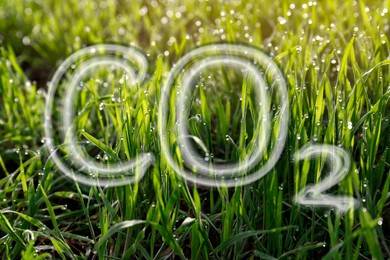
[(335, 58)]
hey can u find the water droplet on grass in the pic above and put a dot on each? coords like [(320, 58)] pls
[(282, 20), (26, 40)]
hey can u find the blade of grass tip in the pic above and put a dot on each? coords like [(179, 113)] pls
[(380, 64), (4, 223), (12, 58), (31, 220), (51, 213), (101, 145), (227, 219), (59, 247), (116, 228), (366, 19), (197, 202), (22, 176), (32, 199), (30, 253), (3, 166), (344, 62)]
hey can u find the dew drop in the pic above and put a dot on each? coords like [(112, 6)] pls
[(26, 40)]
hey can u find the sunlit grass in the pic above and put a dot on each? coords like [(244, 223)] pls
[(335, 58)]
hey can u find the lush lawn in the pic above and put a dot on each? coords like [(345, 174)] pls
[(335, 58)]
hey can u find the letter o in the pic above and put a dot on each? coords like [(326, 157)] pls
[(233, 55)]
